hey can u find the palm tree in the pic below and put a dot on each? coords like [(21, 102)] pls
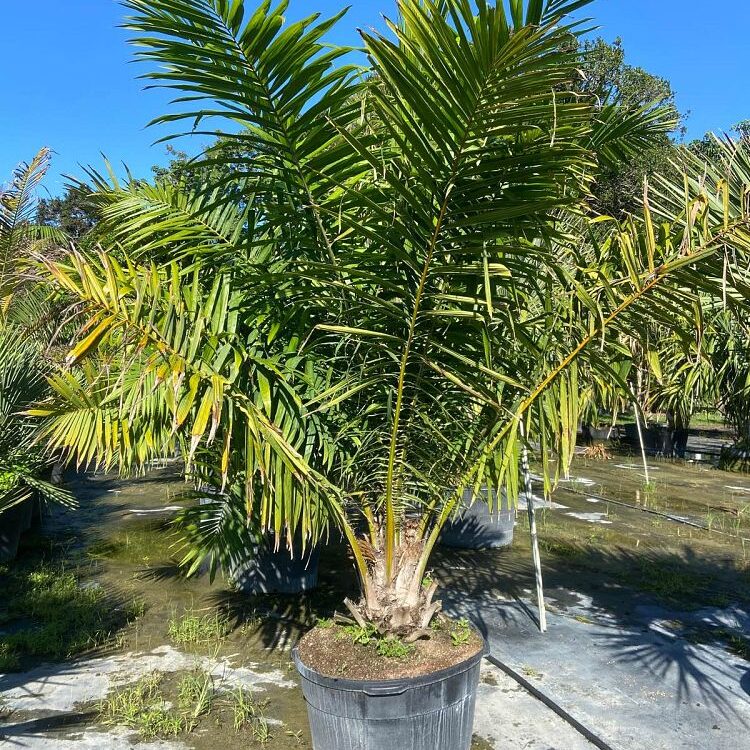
[(20, 238), (24, 327), (732, 374), (403, 290), (706, 363)]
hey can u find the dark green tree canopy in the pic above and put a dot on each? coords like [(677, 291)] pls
[(708, 147), (608, 77), (72, 213)]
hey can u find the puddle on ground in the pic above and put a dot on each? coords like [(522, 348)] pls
[(590, 517), (540, 503)]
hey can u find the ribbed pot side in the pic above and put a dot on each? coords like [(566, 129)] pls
[(430, 712), (269, 571), (478, 527)]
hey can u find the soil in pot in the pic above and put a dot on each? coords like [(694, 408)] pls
[(349, 652)]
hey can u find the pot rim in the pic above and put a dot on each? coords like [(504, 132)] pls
[(393, 686)]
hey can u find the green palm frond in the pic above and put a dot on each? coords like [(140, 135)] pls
[(173, 372), (144, 220), (277, 85), (22, 460), (17, 205), (22, 299)]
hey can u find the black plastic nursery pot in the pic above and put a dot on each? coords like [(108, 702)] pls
[(430, 712), (13, 522), (478, 527), (735, 458), (269, 571), (590, 435), (651, 437), (28, 514)]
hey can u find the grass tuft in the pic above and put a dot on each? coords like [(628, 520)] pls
[(193, 629), (249, 715), (195, 693), (141, 707)]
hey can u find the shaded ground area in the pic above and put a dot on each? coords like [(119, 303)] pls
[(646, 645), (636, 673)]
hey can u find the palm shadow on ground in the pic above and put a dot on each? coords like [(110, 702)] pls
[(284, 618), (19, 733), (680, 617)]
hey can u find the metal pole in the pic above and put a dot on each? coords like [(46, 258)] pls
[(532, 530)]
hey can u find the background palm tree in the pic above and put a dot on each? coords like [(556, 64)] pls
[(25, 326), (396, 274)]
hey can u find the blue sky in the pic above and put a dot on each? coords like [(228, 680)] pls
[(68, 83)]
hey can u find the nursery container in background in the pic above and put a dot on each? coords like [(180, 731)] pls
[(256, 566), (266, 570), (477, 526), (13, 522)]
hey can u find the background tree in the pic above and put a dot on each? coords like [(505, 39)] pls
[(72, 213), (709, 149), (608, 77)]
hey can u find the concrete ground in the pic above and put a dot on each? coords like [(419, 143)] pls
[(634, 686)]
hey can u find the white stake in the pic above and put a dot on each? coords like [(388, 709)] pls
[(532, 529), (640, 440)]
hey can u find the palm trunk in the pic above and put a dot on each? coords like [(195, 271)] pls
[(395, 598)]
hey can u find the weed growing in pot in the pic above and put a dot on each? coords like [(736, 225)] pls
[(394, 648), (388, 646), (460, 632), (360, 634)]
